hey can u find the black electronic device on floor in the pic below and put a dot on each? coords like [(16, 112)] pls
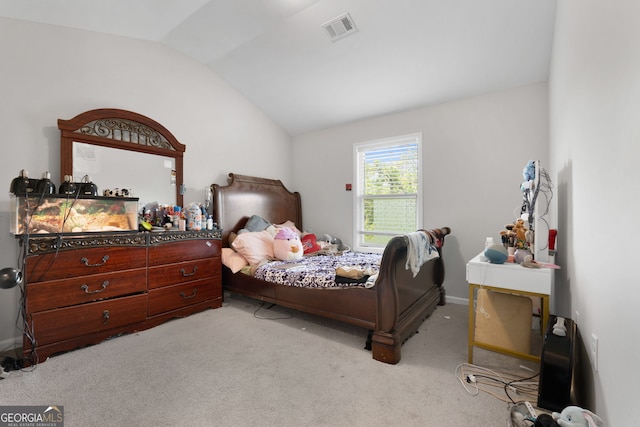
[(557, 365)]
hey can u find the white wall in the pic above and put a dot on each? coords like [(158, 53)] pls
[(474, 151), (49, 72), (594, 106)]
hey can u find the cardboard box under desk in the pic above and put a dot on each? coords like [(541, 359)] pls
[(504, 320)]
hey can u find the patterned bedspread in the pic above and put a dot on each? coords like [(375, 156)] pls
[(317, 271)]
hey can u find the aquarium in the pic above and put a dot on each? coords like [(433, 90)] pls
[(37, 214)]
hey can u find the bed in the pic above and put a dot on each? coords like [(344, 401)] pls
[(391, 310)]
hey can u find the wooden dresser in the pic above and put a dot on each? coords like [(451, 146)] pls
[(183, 277), (83, 289)]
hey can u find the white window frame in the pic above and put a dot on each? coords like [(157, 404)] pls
[(358, 200)]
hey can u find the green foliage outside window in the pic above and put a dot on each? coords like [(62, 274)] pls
[(390, 192)]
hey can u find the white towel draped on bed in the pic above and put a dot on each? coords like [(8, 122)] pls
[(419, 250)]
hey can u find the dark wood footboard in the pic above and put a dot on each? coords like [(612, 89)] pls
[(404, 301)]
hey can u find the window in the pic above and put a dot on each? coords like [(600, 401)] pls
[(387, 190)]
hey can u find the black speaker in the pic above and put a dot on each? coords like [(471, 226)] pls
[(557, 365)]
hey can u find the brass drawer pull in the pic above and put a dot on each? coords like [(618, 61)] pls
[(85, 261), (86, 290), (183, 295), (106, 316), (185, 274)]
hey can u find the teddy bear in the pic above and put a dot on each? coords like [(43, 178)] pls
[(520, 230), (517, 235), (287, 245)]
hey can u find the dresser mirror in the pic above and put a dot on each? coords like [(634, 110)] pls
[(125, 150)]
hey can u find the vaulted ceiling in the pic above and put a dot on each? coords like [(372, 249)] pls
[(403, 54)]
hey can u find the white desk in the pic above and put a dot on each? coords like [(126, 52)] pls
[(509, 278)]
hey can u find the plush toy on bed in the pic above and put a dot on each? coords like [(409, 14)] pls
[(287, 245)]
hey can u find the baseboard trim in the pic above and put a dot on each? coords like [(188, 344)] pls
[(9, 344), (457, 300)]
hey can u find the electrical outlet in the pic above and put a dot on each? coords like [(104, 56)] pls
[(577, 318), (594, 352)]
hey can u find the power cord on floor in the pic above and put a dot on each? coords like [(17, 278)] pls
[(288, 314), (476, 379)]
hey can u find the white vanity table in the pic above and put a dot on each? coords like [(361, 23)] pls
[(508, 278)]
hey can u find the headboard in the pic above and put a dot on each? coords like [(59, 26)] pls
[(246, 195)]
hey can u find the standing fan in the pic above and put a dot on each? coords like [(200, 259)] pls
[(10, 278)]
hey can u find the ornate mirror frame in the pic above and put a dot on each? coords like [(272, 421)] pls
[(120, 129)]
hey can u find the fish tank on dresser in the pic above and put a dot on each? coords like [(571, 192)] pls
[(41, 214)]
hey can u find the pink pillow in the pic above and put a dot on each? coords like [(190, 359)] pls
[(233, 260), (254, 246)]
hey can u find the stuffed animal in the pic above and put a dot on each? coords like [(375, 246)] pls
[(574, 416), (309, 243), (520, 230), (287, 245), (516, 235), (529, 171)]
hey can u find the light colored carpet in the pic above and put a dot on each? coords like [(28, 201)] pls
[(231, 367)]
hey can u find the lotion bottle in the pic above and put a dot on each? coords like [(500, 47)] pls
[(488, 242)]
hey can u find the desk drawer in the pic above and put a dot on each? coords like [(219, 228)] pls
[(510, 276), (64, 323), (173, 297)]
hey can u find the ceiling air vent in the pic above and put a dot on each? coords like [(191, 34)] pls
[(340, 27)]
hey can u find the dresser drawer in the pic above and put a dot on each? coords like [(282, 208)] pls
[(74, 263), (65, 292), (65, 323), (170, 298), (173, 274), (188, 250)]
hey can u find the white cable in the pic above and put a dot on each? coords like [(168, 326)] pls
[(480, 303), (463, 381), (471, 378)]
